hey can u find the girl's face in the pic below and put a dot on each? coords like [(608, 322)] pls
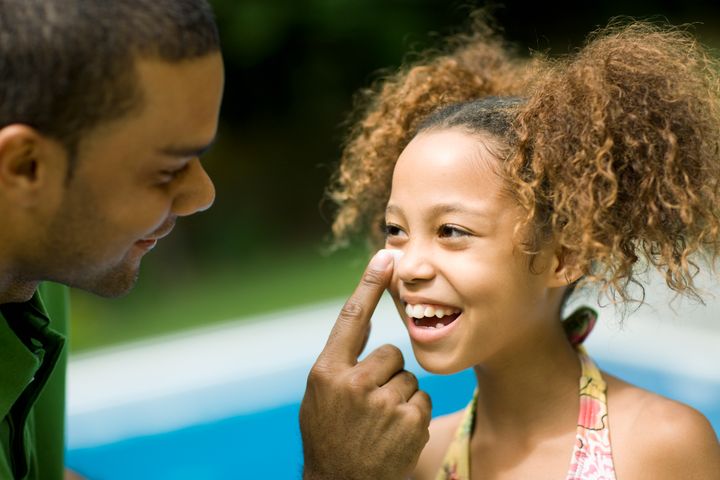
[(466, 294)]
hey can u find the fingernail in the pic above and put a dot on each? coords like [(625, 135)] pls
[(381, 260), (397, 254)]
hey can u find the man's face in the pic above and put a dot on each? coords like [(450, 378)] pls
[(134, 177)]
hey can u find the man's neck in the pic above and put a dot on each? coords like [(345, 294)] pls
[(15, 287), (16, 291)]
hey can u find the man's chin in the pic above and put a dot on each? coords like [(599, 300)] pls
[(112, 284)]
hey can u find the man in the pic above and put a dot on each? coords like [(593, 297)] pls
[(105, 108)]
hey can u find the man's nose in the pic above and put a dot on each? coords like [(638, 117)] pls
[(196, 193)]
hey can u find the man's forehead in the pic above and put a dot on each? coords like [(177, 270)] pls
[(182, 98)]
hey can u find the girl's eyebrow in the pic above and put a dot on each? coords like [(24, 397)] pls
[(390, 208), (444, 208)]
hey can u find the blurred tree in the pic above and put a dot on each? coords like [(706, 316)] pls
[(292, 69)]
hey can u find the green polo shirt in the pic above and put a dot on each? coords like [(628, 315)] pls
[(32, 385)]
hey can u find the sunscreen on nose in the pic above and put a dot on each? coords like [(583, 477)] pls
[(397, 254)]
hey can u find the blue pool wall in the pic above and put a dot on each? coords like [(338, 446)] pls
[(266, 443)]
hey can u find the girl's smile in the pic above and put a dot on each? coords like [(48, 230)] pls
[(429, 321), (427, 331)]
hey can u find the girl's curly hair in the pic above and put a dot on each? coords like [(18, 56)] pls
[(473, 65), (614, 150)]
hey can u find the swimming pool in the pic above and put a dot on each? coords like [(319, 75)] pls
[(220, 403)]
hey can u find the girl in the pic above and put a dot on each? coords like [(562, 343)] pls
[(508, 183)]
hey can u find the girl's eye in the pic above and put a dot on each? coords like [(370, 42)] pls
[(392, 230), (451, 231)]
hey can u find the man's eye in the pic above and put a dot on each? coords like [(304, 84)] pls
[(452, 231), (167, 176)]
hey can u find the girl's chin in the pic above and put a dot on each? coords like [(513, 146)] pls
[(438, 363)]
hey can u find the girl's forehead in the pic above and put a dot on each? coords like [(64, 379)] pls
[(448, 156), (446, 166)]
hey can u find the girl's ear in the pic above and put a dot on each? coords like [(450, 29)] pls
[(565, 270)]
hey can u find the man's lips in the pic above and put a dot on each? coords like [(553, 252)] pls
[(162, 232), (146, 244), (149, 242)]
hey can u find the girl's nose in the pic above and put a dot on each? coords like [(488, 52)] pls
[(414, 265)]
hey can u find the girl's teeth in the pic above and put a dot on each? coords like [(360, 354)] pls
[(416, 321), (428, 311)]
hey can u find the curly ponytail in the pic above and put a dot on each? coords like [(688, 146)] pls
[(620, 143)]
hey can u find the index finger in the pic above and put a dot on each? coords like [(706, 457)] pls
[(347, 337)]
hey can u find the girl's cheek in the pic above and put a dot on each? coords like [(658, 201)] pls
[(394, 287)]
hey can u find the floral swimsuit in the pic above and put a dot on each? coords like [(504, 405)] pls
[(592, 456)]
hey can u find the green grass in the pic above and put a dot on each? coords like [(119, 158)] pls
[(165, 302)]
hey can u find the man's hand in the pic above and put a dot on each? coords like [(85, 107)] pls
[(362, 420)]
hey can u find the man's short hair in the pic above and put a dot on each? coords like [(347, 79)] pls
[(69, 65)]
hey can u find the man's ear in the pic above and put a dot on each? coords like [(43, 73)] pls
[(29, 163), (565, 270)]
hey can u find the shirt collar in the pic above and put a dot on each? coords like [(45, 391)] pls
[(20, 359)]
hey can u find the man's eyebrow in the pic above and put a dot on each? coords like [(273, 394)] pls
[(186, 151)]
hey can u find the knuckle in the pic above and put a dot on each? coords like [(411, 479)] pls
[(388, 398), (426, 401), (360, 381), (417, 417), (373, 278), (414, 415), (351, 310), (319, 375), (391, 352), (409, 379)]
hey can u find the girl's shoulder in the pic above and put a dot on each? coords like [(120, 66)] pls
[(655, 437), (442, 432)]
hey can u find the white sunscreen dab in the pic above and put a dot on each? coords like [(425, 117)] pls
[(397, 254)]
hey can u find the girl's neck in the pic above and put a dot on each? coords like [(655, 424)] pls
[(533, 393)]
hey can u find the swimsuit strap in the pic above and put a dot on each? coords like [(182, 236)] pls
[(592, 456), (456, 464)]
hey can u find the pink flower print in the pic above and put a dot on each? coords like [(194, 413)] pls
[(592, 413)]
